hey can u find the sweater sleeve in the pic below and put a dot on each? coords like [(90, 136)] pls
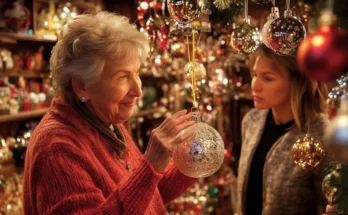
[(62, 183), (173, 183)]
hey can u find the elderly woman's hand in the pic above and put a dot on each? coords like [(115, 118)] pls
[(164, 138)]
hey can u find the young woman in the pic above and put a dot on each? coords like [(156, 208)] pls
[(286, 103)]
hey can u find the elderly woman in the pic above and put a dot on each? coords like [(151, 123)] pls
[(81, 159)]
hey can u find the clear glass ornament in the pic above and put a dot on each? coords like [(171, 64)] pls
[(199, 69), (272, 16), (203, 154), (245, 38), (307, 152), (184, 11), (285, 34), (337, 133)]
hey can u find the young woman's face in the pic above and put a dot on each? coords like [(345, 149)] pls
[(270, 84)]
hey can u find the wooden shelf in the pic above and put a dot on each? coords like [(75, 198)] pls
[(7, 37), (25, 73), (23, 115)]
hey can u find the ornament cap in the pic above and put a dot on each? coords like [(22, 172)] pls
[(274, 13), (287, 13), (195, 115), (247, 20)]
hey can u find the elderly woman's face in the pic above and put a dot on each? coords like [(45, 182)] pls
[(114, 97)]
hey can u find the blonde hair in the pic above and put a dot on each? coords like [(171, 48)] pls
[(308, 97), (85, 45)]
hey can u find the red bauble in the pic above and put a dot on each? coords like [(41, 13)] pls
[(323, 56)]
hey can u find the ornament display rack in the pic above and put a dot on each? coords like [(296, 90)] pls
[(14, 37), (23, 115)]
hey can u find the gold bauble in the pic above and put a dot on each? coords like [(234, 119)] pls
[(307, 152), (199, 70)]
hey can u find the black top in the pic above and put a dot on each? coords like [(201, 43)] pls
[(271, 134)]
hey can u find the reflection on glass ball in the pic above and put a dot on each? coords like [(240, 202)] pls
[(245, 38), (285, 34), (199, 70), (184, 11), (202, 155)]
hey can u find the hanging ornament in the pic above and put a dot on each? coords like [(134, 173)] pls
[(260, 1), (222, 4), (245, 38), (323, 56), (272, 16), (198, 68), (307, 152), (286, 33), (184, 11), (336, 134), (201, 155)]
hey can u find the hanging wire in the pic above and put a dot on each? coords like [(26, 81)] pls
[(273, 3), (287, 6), (330, 5), (246, 8), (193, 72)]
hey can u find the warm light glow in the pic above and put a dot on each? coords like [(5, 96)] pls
[(144, 5), (325, 28), (318, 40)]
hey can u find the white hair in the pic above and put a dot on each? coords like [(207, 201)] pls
[(87, 42)]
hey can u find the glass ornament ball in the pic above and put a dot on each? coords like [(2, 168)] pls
[(337, 137), (333, 184), (285, 34), (307, 152), (184, 11), (245, 38), (199, 70), (202, 154)]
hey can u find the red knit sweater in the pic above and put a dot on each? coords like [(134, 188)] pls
[(70, 169)]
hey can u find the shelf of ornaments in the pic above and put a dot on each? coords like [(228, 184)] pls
[(23, 115), (155, 113), (12, 37), (25, 73)]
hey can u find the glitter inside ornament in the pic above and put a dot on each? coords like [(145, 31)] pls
[(199, 70), (285, 34), (201, 155), (184, 11), (245, 38), (307, 152)]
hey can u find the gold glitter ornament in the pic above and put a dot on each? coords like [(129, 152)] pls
[(202, 154), (184, 11), (245, 38), (199, 69), (307, 152)]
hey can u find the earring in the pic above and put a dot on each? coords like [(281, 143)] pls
[(83, 99)]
